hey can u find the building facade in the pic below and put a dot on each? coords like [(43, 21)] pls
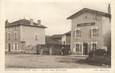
[(23, 34), (66, 38), (88, 30)]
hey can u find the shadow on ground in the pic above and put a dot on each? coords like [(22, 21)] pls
[(81, 61)]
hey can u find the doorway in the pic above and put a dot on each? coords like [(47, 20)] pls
[(85, 48), (9, 47)]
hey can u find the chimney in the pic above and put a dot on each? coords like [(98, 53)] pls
[(31, 21), (6, 22), (39, 22)]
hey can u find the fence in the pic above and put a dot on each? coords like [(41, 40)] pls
[(49, 50)]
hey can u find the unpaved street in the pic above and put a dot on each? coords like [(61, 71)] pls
[(44, 61)]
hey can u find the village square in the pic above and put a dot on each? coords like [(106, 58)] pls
[(86, 45)]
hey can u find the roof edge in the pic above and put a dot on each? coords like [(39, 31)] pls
[(88, 9), (25, 25)]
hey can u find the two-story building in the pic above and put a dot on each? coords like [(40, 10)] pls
[(23, 34), (88, 30)]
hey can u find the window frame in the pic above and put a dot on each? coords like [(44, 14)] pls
[(94, 32), (36, 37), (92, 46), (78, 47), (77, 34), (8, 36), (15, 35)]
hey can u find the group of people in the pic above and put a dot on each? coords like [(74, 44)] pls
[(64, 50)]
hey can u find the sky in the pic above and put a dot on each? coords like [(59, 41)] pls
[(52, 13)]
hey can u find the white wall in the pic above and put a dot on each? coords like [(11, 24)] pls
[(81, 19), (12, 41), (106, 25), (101, 23), (28, 35), (106, 31)]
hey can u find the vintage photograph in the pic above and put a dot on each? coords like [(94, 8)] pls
[(57, 34)]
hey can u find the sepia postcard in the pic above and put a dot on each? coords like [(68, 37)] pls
[(57, 36)]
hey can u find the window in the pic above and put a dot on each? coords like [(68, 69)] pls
[(85, 17), (8, 36), (9, 47), (94, 32), (78, 33), (94, 46), (16, 46), (64, 43), (95, 17), (78, 47), (15, 36), (36, 37), (13, 46)]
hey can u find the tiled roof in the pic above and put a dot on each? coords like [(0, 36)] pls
[(67, 33), (90, 11), (50, 40), (24, 22), (56, 36)]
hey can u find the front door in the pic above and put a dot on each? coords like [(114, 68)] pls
[(9, 47), (85, 48)]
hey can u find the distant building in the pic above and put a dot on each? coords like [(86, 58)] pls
[(58, 44), (23, 34), (88, 30), (57, 37), (52, 41), (66, 38), (53, 45)]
